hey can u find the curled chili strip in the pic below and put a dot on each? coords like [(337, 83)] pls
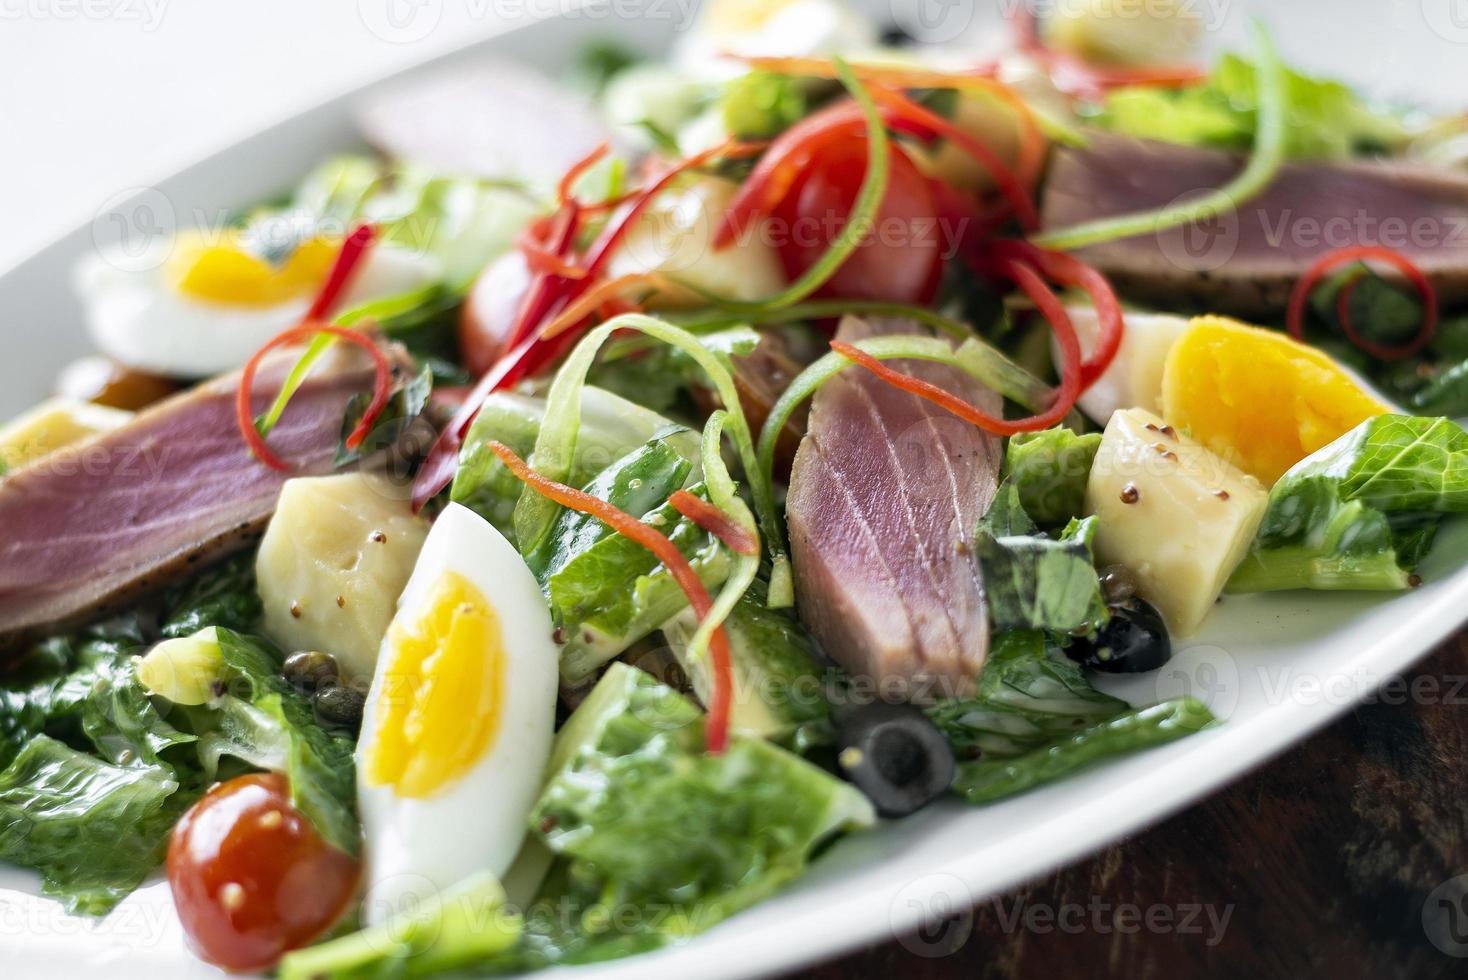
[(381, 389), (1067, 270), (1008, 183), (716, 730), (714, 521), (1300, 298), (1050, 306)]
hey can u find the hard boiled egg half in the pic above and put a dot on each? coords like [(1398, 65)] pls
[(780, 28), (217, 298), (458, 724)]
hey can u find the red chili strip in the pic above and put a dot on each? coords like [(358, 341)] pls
[(1071, 271), (1005, 180), (353, 250), (776, 172), (548, 296), (381, 389), (1066, 394), (714, 521), (1075, 76), (1300, 298), (716, 730), (545, 262), (558, 237), (578, 170), (600, 253)]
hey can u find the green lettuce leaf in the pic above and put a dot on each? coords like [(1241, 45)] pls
[(1050, 470), (1036, 718), (94, 830), (778, 689), (1033, 581), (637, 483), (264, 721), (616, 592), (1326, 119), (646, 820), (1361, 512), (224, 595), (466, 926), (611, 427)]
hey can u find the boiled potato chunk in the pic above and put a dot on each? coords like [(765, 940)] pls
[(1127, 32), (674, 236), (1178, 516), (54, 425), (332, 565), (1134, 377)]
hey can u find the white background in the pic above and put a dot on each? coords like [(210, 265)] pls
[(101, 95)]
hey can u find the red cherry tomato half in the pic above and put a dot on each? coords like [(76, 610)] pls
[(251, 878), (900, 261)]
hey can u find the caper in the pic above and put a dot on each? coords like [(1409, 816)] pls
[(311, 670), (339, 705), (1118, 585)]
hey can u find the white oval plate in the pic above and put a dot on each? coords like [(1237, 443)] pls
[(1276, 667)]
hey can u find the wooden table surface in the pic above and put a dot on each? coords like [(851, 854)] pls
[(1335, 860)]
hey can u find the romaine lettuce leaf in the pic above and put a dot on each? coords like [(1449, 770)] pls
[(645, 820), (1361, 512), (220, 596), (616, 592), (466, 926), (1050, 469), (1033, 581), (264, 721), (94, 830), (637, 483), (1036, 718), (778, 689), (1326, 119), (611, 427)]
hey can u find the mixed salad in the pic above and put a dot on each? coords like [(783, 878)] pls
[(535, 540)]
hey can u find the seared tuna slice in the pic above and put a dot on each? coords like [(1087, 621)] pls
[(884, 497), (86, 529), (1247, 263)]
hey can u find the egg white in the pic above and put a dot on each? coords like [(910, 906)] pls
[(417, 847), (797, 29), (137, 318)]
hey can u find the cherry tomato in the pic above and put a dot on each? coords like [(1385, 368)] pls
[(492, 310), (900, 261), (251, 878)]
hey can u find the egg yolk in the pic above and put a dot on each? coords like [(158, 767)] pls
[(1259, 399), (227, 274), (438, 708)]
